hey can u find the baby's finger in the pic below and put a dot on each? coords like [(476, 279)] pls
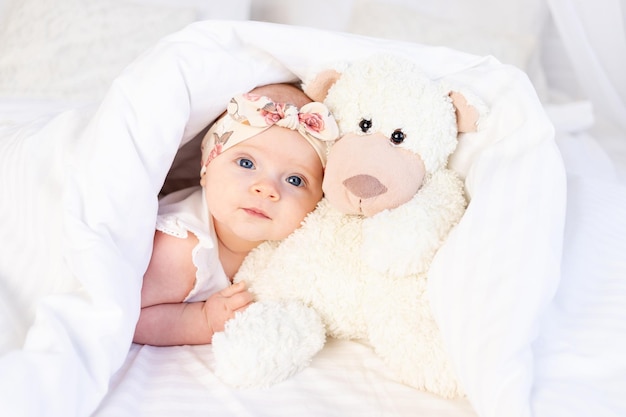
[(242, 308), (233, 289), (239, 300)]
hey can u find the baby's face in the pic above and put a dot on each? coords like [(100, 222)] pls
[(262, 188)]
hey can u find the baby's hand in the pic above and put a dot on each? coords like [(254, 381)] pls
[(222, 306)]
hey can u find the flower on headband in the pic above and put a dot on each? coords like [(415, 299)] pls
[(215, 151), (260, 111), (314, 121), (220, 141), (274, 112)]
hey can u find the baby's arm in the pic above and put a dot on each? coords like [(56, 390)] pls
[(190, 323), (165, 319)]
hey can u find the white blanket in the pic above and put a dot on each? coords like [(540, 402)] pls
[(80, 199)]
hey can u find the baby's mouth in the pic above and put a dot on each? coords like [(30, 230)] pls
[(256, 213)]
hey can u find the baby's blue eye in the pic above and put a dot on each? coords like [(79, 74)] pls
[(295, 180), (245, 163)]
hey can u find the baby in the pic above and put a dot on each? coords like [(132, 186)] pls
[(262, 170)]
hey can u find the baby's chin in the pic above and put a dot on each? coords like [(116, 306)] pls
[(255, 235)]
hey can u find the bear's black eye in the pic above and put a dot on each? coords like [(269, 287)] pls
[(365, 125), (397, 137)]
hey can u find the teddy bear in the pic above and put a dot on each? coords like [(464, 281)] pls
[(357, 267)]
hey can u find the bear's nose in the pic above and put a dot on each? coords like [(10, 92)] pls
[(364, 186)]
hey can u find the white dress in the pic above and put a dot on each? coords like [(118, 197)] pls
[(185, 211)]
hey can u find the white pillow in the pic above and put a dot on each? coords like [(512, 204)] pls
[(327, 14), (230, 10), (4, 4), (482, 27), (73, 49)]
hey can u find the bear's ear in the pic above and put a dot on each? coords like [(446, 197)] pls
[(466, 114), (317, 89)]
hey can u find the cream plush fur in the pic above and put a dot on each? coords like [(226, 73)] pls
[(357, 268)]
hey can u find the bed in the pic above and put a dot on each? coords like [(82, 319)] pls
[(529, 291)]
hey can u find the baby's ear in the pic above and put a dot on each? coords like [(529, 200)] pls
[(317, 89), (466, 114)]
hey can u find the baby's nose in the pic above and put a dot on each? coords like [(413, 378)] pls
[(267, 189)]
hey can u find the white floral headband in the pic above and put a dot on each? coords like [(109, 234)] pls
[(249, 114)]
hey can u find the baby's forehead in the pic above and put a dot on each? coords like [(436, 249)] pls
[(280, 142), (283, 93)]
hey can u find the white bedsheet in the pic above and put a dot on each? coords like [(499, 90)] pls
[(344, 379), (70, 287)]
